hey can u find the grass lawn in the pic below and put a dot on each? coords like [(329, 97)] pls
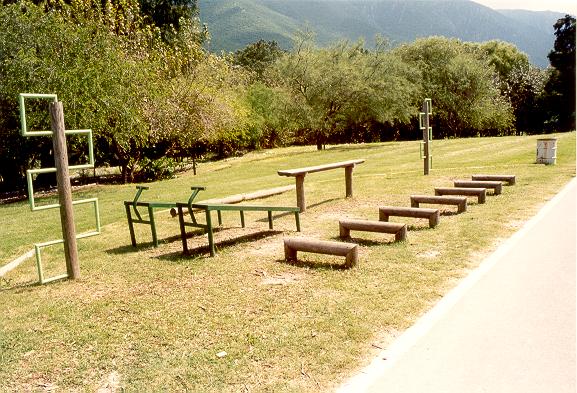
[(150, 319)]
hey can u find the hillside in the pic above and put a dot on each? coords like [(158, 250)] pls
[(234, 24)]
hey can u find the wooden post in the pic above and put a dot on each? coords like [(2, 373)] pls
[(349, 181), (64, 189), (426, 161), (300, 183)]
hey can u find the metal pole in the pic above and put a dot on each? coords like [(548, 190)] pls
[(426, 161), (64, 189)]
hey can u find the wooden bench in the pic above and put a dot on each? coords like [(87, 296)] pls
[(496, 186), (509, 179), (432, 214), (346, 226), (210, 207), (460, 202), (300, 173), (348, 250), (480, 193)]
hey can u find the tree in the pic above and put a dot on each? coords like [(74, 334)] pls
[(561, 85), (344, 85), (258, 56), (466, 98)]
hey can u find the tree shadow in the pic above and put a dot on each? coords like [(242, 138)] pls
[(314, 265), (363, 242), (201, 251)]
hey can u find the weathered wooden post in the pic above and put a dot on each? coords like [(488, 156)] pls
[(64, 189)]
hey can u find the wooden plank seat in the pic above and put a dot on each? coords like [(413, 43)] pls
[(496, 186), (415, 212), (300, 173), (509, 179), (480, 193), (348, 225), (460, 202), (208, 208), (348, 250)]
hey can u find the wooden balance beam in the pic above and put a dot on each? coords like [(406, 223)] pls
[(509, 179), (496, 186), (460, 202), (415, 212), (300, 173), (480, 193), (348, 250), (397, 229)]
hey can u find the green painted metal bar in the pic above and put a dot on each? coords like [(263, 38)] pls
[(210, 234), (21, 98), (231, 207)]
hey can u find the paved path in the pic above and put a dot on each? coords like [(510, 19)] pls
[(508, 328)]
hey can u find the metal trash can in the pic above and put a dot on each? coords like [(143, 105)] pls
[(547, 151)]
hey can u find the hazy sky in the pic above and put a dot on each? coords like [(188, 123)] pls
[(569, 6)]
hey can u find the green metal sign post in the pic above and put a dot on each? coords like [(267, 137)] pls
[(61, 168), (426, 144)]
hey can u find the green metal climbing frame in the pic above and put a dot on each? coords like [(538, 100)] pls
[(32, 172)]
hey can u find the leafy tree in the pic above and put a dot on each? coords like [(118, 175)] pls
[(258, 56), (466, 98), (342, 85), (561, 85)]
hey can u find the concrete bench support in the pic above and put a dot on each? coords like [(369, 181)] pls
[(460, 202), (347, 250), (480, 193), (432, 214), (346, 226), (509, 179), (300, 173), (496, 186)]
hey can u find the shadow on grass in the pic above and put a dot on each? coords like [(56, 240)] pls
[(363, 242), (7, 285), (418, 228), (315, 265), (204, 250)]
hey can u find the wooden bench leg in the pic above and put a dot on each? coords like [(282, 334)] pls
[(344, 232), (298, 221), (462, 207), (401, 235), (270, 220), (349, 181), (414, 203), (434, 219), (300, 188), (290, 254), (383, 216), (352, 258)]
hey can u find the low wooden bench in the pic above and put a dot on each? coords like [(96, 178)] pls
[(460, 202), (210, 207), (480, 193), (397, 229), (432, 214), (300, 173), (496, 186), (348, 250), (509, 179)]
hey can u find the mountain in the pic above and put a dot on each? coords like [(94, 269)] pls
[(235, 23)]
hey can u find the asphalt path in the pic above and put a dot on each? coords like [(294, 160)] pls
[(509, 327)]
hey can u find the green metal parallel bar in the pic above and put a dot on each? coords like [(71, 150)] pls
[(227, 207)]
